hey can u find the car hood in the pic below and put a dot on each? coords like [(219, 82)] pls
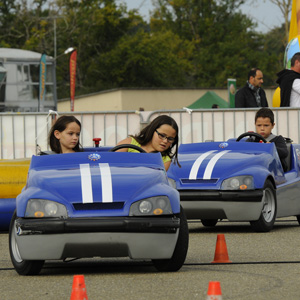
[(107, 182), (208, 164)]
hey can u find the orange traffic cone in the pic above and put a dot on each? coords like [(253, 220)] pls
[(221, 254), (78, 288), (214, 291)]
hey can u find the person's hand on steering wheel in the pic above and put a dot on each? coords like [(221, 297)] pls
[(258, 137)]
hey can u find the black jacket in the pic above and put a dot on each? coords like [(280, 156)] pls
[(245, 97), (285, 80), (281, 147)]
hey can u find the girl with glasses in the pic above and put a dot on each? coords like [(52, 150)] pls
[(161, 135)]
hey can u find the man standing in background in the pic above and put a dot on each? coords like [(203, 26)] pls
[(289, 83), (252, 95)]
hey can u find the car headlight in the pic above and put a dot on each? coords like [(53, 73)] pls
[(40, 208), (159, 205), (238, 183)]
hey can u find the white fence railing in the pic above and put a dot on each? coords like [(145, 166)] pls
[(20, 133)]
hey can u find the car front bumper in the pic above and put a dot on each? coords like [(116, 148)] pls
[(231, 205), (137, 238)]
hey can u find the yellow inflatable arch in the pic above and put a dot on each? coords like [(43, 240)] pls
[(276, 98)]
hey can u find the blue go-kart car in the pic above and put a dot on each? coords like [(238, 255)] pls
[(98, 203), (238, 181)]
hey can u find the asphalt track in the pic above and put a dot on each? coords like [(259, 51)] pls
[(264, 266)]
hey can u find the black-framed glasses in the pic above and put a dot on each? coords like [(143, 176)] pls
[(164, 137)]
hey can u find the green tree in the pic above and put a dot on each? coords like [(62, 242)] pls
[(24, 25), (273, 54), (226, 44), (145, 60), (7, 18), (94, 27), (188, 43)]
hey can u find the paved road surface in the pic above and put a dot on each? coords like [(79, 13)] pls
[(264, 266)]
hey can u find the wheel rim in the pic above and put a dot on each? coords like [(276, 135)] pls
[(14, 246), (268, 210)]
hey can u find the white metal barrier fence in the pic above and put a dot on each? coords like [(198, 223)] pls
[(223, 124), (20, 133)]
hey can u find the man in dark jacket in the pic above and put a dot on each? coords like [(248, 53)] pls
[(289, 83), (252, 95)]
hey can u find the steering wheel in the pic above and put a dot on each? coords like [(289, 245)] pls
[(127, 146), (257, 136)]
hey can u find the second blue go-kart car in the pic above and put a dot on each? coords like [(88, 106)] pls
[(98, 204), (238, 181)]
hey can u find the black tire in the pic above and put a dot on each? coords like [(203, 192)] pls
[(209, 222), (23, 267), (127, 146), (177, 260), (268, 215), (298, 219)]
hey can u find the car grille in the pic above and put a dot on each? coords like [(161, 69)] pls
[(98, 206), (198, 180)]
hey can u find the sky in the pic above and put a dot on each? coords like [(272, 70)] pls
[(266, 14)]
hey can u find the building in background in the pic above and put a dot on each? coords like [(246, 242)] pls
[(124, 99), (19, 81)]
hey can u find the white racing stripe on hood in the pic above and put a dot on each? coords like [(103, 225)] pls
[(197, 163), (106, 183), (212, 163), (86, 183)]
